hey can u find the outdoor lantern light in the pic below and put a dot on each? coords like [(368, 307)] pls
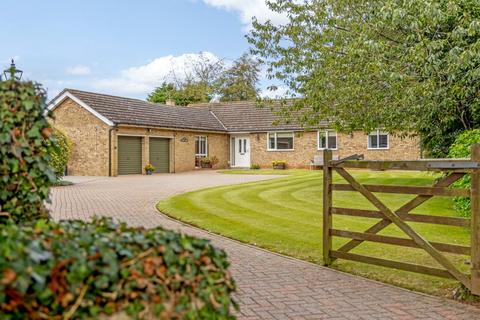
[(12, 72)]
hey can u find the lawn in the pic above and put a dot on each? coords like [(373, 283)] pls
[(285, 215)]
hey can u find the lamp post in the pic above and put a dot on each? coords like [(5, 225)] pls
[(12, 73)]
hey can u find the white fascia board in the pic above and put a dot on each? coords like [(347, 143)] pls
[(54, 104)]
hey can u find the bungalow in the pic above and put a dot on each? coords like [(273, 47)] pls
[(115, 136)]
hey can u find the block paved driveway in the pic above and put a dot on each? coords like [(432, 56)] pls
[(270, 286)]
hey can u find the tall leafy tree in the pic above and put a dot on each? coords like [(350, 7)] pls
[(197, 84), (403, 65), (183, 93), (239, 82)]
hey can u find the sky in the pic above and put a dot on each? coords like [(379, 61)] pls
[(121, 47)]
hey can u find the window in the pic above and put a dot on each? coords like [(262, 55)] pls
[(201, 146), (327, 140), (280, 141), (378, 140)]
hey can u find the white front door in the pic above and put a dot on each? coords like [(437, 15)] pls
[(241, 152)]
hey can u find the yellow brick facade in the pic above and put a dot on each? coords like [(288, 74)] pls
[(182, 146), (90, 143), (91, 139), (305, 148)]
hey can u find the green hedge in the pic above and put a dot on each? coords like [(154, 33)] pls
[(461, 149), (24, 138), (57, 270), (59, 151)]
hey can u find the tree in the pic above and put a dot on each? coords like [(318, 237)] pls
[(408, 66), (198, 84), (183, 92), (239, 82)]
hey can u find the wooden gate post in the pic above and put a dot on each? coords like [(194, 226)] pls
[(475, 207), (327, 204)]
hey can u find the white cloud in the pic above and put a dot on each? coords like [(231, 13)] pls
[(248, 9), (141, 80), (280, 92), (79, 70)]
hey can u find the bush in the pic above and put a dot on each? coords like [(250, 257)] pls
[(59, 151), (24, 138), (209, 161), (255, 167), (279, 164), (461, 149), (54, 270), (149, 167)]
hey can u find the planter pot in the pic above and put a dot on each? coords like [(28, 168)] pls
[(206, 165), (149, 173), (279, 166)]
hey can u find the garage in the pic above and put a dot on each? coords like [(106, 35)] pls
[(159, 154), (129, 155)]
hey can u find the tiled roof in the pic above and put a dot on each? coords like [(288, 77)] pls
[(247, 116), (122, 110), (244, 116)]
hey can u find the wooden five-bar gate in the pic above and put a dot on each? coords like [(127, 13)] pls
[(453, 169)]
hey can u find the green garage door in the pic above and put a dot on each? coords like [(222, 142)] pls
[(129, 155), (160, 154)]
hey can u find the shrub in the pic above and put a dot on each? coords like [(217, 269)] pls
[(59, 151), (24, 138), (279, 163), (255, 167), (213, 161), (149, 167), (54, 270), (210, 161), (461, 149)]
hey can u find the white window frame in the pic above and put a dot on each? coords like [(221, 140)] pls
[(197, 138), (327, 132), (275, 133), (377, 133)]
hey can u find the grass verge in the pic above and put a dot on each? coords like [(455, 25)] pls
[(285, 215)]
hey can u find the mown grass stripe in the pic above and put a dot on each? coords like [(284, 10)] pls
[(284, 215)]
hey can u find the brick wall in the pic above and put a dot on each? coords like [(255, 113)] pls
[(305, 148), (182, 146), (89, 137)]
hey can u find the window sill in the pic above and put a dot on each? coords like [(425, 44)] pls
[(323, 149), (373, 149)]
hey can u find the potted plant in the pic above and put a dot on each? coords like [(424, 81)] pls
[(279, 164), (149, 169), (205, 162), (209, 162)]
